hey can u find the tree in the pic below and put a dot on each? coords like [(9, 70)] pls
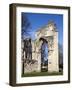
[(60, 56), (25, 24)]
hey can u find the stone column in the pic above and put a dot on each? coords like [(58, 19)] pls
[(38, 56), (50, 56), (33, 49), (55, 61), (39, 62)]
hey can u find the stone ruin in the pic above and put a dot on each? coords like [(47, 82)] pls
[(49, 32)]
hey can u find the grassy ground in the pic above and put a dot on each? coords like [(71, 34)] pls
[(41, 74)]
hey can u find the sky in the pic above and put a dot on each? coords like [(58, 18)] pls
[(38, 20)]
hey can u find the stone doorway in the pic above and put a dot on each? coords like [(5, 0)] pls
[(44, 54)]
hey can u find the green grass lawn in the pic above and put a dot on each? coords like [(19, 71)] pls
[(41, 74)]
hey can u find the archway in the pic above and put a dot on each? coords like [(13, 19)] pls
[(44, 54)]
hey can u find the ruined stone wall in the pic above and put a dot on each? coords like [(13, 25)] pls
[(30, 66), (53, 62)]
